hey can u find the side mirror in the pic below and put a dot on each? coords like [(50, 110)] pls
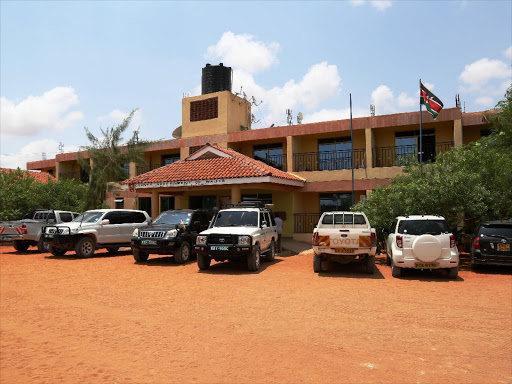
[(105, 222)]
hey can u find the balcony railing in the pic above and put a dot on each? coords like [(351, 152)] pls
[(83, 177), (328, 161), (402, 155), (276, 161), (140, 169), (305, 222)]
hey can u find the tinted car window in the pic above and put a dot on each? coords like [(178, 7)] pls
[(89, 217), (205, 218), (267, 218), (173, 217), (138, 217), (327, 219), (114, 217), (500, 230), (421, 227), (348, 218), (262, 218), (359, 219), (65, 217), (272, 219)]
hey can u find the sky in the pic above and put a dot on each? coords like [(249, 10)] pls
[(69, 65)]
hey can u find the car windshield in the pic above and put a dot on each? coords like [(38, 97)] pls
[(173, 217), (422, 227), (236, 219), (497, 230), (89, 217)]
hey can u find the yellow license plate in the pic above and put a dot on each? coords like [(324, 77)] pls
[(426, 265), (344, 250), (503, 247)]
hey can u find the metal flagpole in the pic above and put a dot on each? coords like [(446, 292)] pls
[(352, 150), (421, 129)]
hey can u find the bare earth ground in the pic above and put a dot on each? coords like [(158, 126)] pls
[(108, 320)]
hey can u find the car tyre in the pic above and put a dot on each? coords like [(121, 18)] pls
[(183, 253), (43, 246), (271, 254), (112, 250), (203, 262), (453, 272), (139, 255), (85, 247), (370, 265), (57, 251), (20, 245), (395, 271), (254, 259), (317, 263)]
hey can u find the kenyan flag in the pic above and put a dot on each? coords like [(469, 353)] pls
[(431, 101)]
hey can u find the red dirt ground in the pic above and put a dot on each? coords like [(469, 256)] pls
[(108, 320)]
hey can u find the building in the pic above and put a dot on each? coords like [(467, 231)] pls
[(302, 169)]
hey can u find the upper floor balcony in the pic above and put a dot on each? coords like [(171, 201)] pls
[(404, 154), (276, 161), (328, 160)]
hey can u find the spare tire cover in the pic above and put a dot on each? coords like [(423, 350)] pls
[(426, 248)]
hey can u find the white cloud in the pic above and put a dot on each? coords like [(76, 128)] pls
[(429, 86), (33, 151), (116, 116), (480, 72), (334, 114), (243, 52), (508, 52), (383, 99), (404, 100), (485, 101), (39, 114), (380, 5)]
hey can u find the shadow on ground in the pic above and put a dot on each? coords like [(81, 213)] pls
[(237, 268), (71, 255)]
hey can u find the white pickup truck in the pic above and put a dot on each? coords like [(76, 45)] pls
[(344, 237), (27, 232)]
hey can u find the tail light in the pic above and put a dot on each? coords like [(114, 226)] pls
[(373, 238), (476, 243), (315, 239), (24, 229), (452, 241), (399, 242)]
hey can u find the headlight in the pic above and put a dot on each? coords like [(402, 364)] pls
[(201, 240), (63, 231), (171, 233), (136, 232), (244, 240)]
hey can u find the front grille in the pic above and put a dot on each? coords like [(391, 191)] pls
[(152, 234), (221, 239)]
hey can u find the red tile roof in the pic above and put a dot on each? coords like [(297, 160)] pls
[(41, 177), (234, 166)]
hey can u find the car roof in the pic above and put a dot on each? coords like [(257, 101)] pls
[(508, 222), (244, 209), (338, 212), (420, 217), (113, 209)]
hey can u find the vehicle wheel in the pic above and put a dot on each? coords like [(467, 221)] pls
[(112, 250), (57, 251), (395, 271), (317, 263), (271, 254), (453, 272), (253, 260), (388, 260), (43, 246), (139, 256), (370, 264), (203, 262), (183, 254), (85, 247), (20, 245)]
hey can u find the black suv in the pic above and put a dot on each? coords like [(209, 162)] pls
[(492, 244), (172, 233)]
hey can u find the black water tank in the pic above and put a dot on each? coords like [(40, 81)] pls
[(216, 78)]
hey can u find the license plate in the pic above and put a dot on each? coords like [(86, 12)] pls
[(503, 247), (426, 265), (148, 242), (219, 248), (49, 236), (344, 250)]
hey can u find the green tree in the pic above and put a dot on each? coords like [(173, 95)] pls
[(466, 185), (107, 155)]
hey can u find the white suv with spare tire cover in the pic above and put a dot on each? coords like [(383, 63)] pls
[(421, 242)]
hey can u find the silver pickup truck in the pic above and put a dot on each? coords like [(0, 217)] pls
[(27, 232)]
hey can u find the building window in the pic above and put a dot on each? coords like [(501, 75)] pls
[(334, 154), (265, 198), (166, 203), (335, 202), (126, 167), (169, 159), (145, 204), (204, 109), (407, 146), (271, 154), (119, 203)]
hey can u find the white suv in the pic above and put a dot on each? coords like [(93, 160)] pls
[(421, 242), (99, 228), (241, 233)]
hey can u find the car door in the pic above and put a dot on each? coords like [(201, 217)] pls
[(130, 221), (264, 232), (272, 229)]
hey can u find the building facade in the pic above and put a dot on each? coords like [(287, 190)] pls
[(316, 156)]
